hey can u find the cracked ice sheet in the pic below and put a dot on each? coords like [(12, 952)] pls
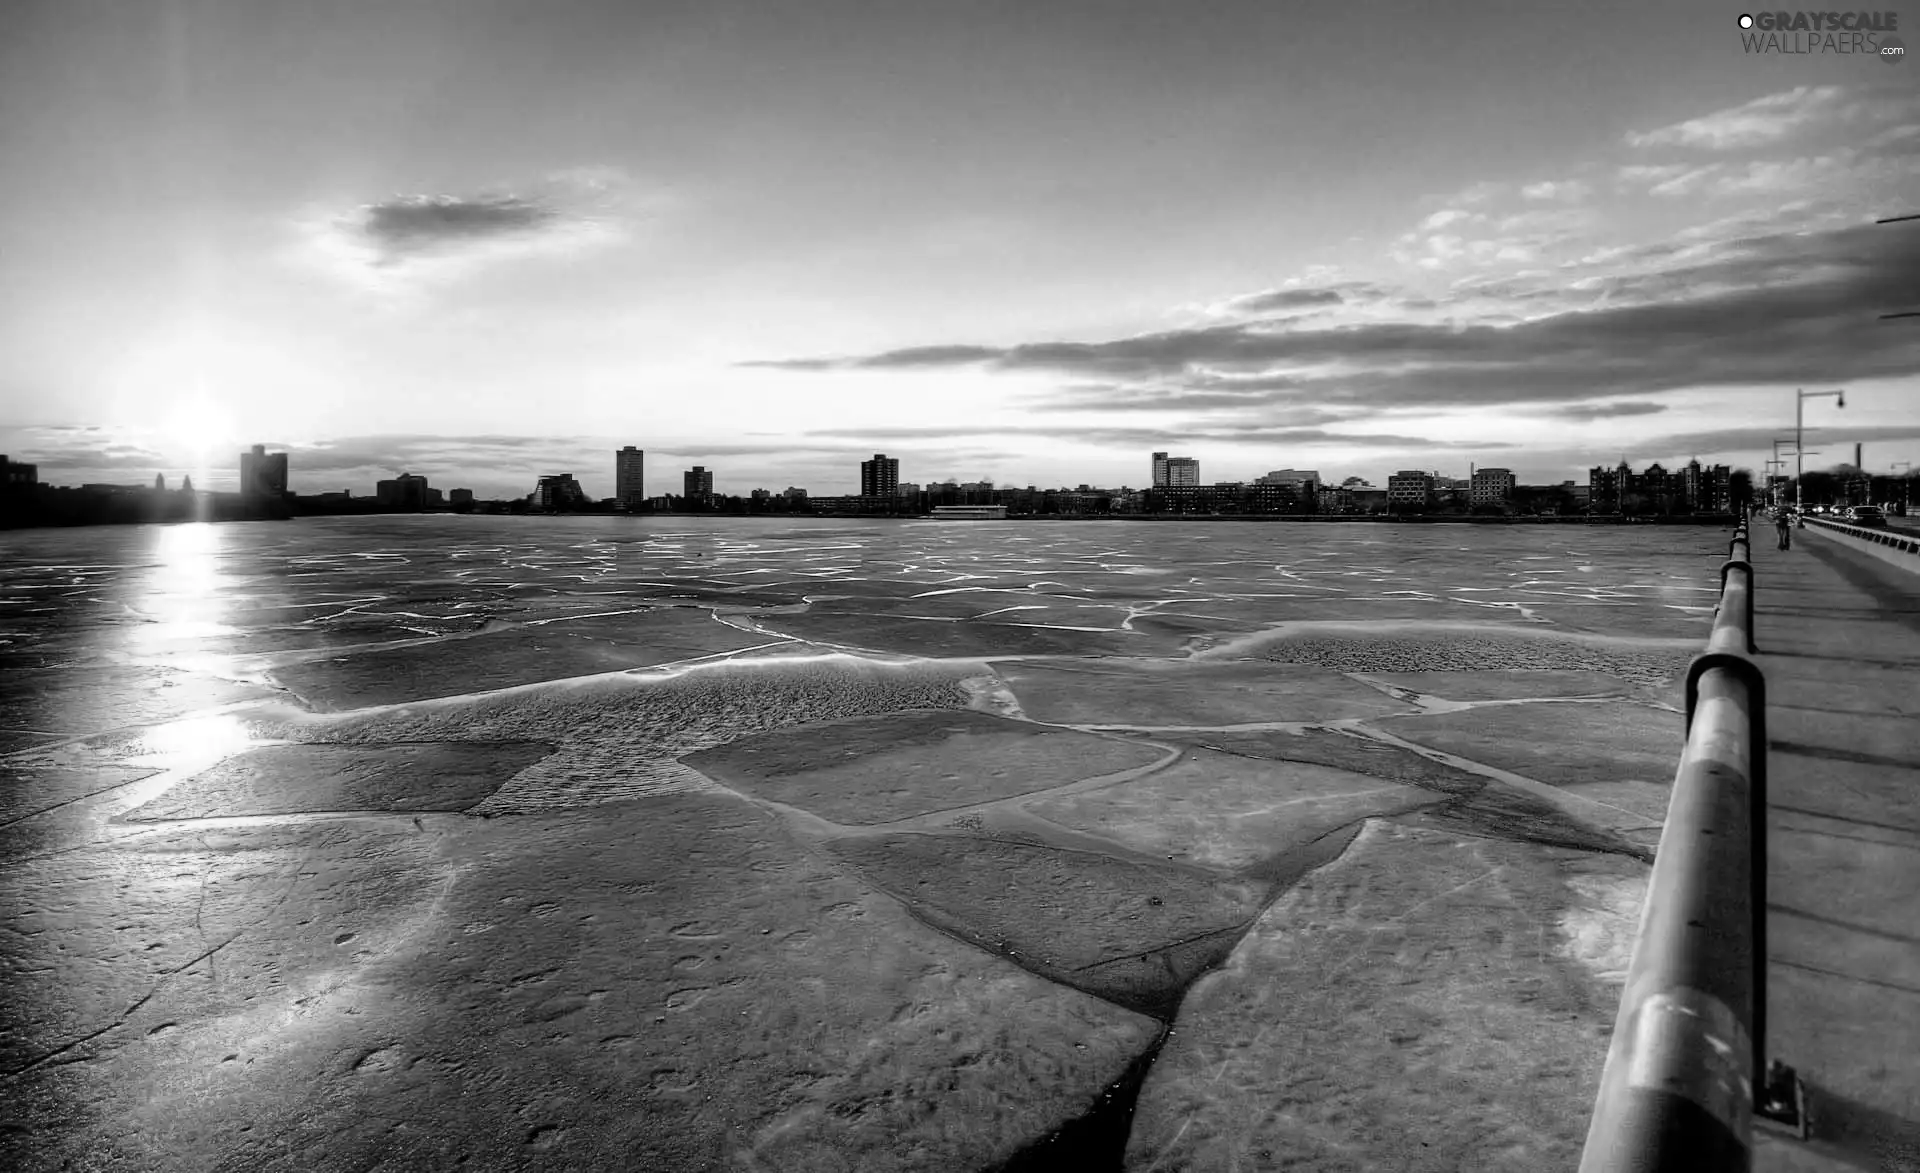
[(664, 984), (1623, 745), (1228, 812), (1415, 1005), (506, 659), (1190, 694), (868, 770), (619, 736)]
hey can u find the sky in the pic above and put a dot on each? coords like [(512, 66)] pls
[(1016, 240)]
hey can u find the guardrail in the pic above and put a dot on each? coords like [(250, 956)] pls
[(1898, 541), (1679, 1089)]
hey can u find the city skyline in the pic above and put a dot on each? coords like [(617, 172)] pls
[(997, 243), (268, 474)]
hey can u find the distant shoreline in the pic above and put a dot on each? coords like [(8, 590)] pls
[(1701, 519)]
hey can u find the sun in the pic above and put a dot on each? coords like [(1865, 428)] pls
[(196, 426)]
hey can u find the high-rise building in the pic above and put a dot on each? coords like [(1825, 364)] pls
[(1182, 470), (880, 477), (1606, 487), (630, 477), (263, 474), (698, 483), (1159, 470), (159, 482), (1717, 491)]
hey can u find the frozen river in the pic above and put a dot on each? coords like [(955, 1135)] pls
[(771, 844)]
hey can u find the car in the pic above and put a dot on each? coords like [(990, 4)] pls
[(1868, 516)]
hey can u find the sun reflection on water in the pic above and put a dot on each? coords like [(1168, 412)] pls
[(185, 595), (197, 739)]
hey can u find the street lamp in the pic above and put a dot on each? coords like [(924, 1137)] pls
[(1799, 427), (1905, 482), (1779, 492)]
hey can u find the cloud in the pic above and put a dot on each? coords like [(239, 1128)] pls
[(1685, 183), (1757, 311), (1588, 412), (1569, 191), (410, 225), (1474, 193), (396, 243), (1761, 122), (1646, 174), (1275, 300), (1761, 438), (1557, 221), (1446, 216), (1145, 436)]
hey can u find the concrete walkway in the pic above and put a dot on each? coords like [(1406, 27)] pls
[(1839, 636)]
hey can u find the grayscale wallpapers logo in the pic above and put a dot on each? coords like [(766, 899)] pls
[(1797, 33)]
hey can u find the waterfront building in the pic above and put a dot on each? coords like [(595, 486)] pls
[(1159, 470), (697, 484), (1411, 488), (558, 491), (1655, 485), (880, 477), (1717, 489), (1305, 479), (630, 477), (970, 512), (263, 473), (406, 491), (1607, 487), (460, 497), (18, 477), (1182, 471), (1491, 486), (1693, 485)]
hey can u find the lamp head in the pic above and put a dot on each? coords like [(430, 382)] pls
[(1841, 399)]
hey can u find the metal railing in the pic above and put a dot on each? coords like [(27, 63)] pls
[(1898, 541), (1689, 1043)]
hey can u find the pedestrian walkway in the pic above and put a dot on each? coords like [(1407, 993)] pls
[(1839, 639)]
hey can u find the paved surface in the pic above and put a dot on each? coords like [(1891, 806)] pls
[(1839, 633)]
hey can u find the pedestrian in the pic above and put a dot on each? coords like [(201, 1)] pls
[(1783, 527)]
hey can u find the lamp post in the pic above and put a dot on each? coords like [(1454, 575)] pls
[(1905, 482), (1799, 428), (1779, 492)]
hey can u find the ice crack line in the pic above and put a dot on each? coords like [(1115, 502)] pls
[(165, 977)]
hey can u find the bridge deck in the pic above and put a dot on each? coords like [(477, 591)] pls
[(1839, 636)]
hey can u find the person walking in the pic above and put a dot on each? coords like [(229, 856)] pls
[(1783, 527)]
